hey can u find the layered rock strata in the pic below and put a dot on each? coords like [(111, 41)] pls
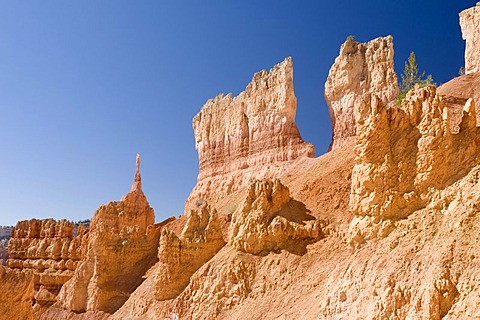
[(49, 250), (270, 220), (122, 246), (360, 68), (248, 136), (181, 256), (470, 24)]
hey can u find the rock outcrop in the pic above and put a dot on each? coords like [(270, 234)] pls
[(122, 246), (50, 251), (455, 94), (250, 136), (270, 220), (180, 257), (360, 69), (470, 24), (405, 154)]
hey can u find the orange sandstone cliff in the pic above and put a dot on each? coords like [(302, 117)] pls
[(384, 226)]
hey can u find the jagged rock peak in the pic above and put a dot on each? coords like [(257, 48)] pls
[(122, 244), (360, 68), (470, 24), (254, 129)]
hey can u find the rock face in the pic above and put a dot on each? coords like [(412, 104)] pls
[(455, 94), (17, 288), (3, 256), (360, 69), (270, 220), (49, 250), (180, 257), (122, 246), (249, 136), (406, 171), (470, 24), (405, 154)]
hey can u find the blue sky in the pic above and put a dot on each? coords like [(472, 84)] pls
[(86, 85)]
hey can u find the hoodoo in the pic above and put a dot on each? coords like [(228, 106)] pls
[(360, 69)]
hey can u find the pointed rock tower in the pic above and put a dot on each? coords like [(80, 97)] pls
[(121, 247)]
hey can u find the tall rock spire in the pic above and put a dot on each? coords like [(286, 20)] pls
[(360, 69), (137, 182)]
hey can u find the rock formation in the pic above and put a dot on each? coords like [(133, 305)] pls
[(49, 250), (360, 68), (122, 246), (405, 154), (250, 136), (17, 289), (180, 257), (383, 227), (470, 23), (3, 256), (455, 94), (270, 220)]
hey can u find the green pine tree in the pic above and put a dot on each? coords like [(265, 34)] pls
[(411, 77)]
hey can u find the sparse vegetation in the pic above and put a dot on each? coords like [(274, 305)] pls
[(412, 77), (85, 222), (461, 71), (351, 38)]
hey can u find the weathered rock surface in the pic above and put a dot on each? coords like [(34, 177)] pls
[(48, 249), (406, 193), (17, 290), (3, 256), (360, 68), (455, 94), (250, 136), (406, 153), (470, 24), (122, 246), (270, 220), (180, 257)]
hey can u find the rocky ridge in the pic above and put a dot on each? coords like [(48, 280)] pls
[(382, 227)]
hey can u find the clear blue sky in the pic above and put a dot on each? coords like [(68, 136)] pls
[(85, 85)]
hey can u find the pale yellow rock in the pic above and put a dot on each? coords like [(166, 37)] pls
[(360, 68), (270, 220), (470, 24), (405, 154)]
